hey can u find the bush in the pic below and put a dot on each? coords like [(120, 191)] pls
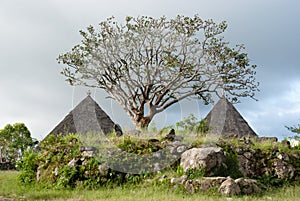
[(195, 173), (28, 166), (139, 146), (61, 164)]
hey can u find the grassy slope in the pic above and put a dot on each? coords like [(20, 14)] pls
[(10, 188)]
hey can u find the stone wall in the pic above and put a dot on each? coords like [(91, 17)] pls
[(7, 166)]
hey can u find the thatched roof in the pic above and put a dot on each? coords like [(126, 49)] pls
[(87, 116), (225, 121)]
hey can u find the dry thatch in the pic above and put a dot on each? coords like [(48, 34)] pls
[(225, 121), (87, 116)]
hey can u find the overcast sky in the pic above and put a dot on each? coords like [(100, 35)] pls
[(34, 32)]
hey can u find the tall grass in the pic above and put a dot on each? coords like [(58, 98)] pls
[(10, 188)]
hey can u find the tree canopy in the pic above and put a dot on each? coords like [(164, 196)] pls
[(149, 64), (14, 140)]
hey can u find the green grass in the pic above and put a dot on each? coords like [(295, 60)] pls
[(11, 188)]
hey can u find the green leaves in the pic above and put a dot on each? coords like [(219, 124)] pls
[(294, 129), (183, 57), (14, 140)]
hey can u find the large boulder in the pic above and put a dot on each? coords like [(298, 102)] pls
[(209, 158)]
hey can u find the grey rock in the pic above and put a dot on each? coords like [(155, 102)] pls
[(210, 158), (229, 188), (73, 162), (55, 171), (267, 139), (180, 180), (189, 187), (87, 153), (283, 170), (181, 149), (283, 156), (103, 169), (203, 184), (248, 186)]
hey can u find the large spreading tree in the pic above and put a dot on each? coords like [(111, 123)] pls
[(149, 64)]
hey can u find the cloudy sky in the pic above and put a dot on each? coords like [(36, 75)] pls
[(33, 33)]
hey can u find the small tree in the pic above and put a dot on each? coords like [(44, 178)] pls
[(14, 140), (148, 64), (188, 124), (192, 124)]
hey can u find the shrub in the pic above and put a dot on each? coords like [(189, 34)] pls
[(232, 166), (28, 166), (195, 173), (139, 146)]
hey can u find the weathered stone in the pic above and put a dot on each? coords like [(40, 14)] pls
[(247, 186), (247, 164), (203, 184), (87, 148), (73, 162), (179, 180), (178, 138), (176, 148), (103, 169), (55, 171), (229, 188), (170, 136), (7, 165), (210, 158), (118, 130), (87, 153), (189, 187), (181, 148), (283, 156), (267, 139), (215, 181), (157, 167), (283, 170)]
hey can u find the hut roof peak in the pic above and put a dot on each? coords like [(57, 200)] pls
[(224, 120), (87, 116)]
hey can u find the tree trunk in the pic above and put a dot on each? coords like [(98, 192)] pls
[(143, 122)]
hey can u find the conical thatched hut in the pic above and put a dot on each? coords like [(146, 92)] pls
[(87, 116), (225, 121)]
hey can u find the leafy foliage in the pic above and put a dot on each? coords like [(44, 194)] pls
[(139, 146), (192, 124), (149, 64), (14, 140), (28, 166), (294, 129), (60, 163), (195, 173), (231, 166)]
